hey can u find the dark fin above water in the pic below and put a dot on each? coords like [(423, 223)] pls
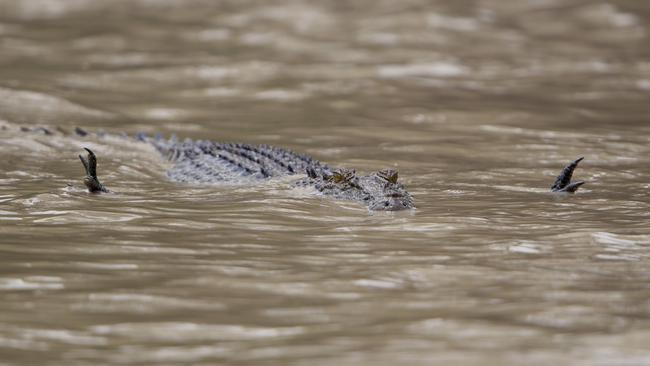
[(90, 166), (563, 181)]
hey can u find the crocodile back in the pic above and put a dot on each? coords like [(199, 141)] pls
[(211, 162)]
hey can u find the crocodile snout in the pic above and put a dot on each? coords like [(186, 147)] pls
[(393, 202)]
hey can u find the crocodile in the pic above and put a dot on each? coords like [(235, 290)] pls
[(208, 162)]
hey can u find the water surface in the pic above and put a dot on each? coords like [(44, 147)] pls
[(478, 104)]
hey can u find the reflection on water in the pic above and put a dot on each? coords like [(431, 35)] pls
[(478, 104)]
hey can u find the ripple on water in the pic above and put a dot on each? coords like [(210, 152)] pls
[(85, 216), (141, 303), (187, 332), (440, 69), (32, 283), (575, 317), (166, 354), (526, 248), (622, 247), (10, 216)]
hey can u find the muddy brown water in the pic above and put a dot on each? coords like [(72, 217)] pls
[(478, 104)]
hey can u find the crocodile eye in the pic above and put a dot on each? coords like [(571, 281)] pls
[(338, 177), (388, 174), (342, 176)]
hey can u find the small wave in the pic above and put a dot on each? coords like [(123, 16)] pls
[(439, 69)]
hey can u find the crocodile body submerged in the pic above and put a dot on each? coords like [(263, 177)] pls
[(208, 162)]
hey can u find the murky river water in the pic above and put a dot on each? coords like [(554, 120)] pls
[(479, 104)]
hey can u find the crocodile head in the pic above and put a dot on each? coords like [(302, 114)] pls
[(379, 191)]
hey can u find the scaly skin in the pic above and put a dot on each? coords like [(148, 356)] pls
[(379, 191)]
